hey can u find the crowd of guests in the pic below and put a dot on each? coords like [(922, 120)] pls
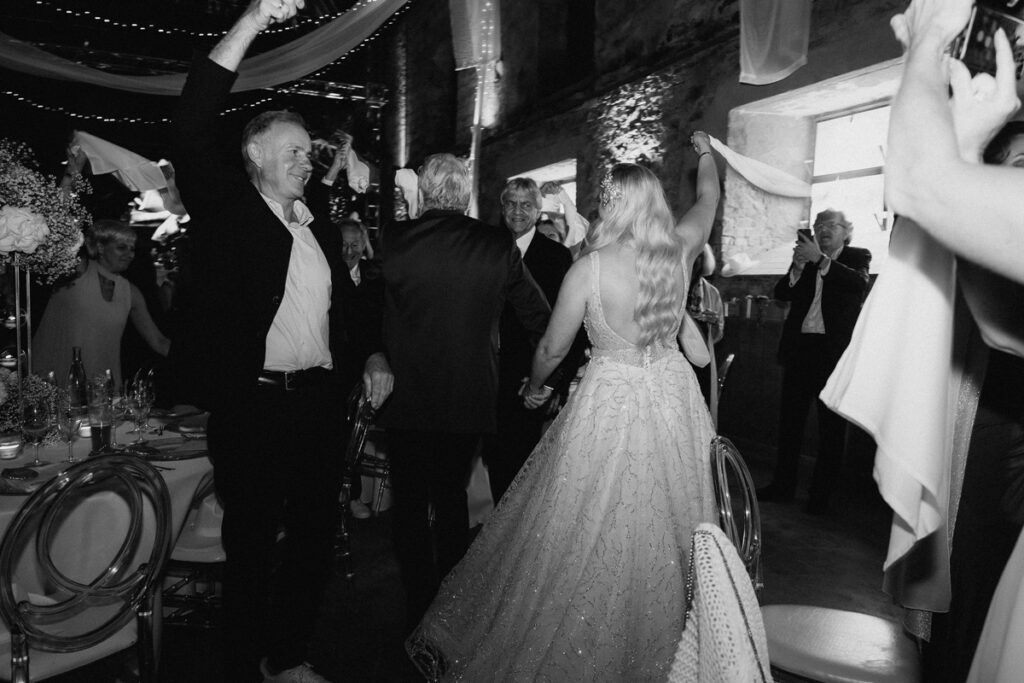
[(466, 338)]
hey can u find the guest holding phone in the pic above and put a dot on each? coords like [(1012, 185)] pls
[(825, 285)]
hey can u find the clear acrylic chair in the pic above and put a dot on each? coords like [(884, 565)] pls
[(360, 416), (191, 594), (73, 589), (735, 496)]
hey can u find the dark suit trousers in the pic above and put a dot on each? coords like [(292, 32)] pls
[(803, 378), (518, 433), (277, 463), (429, 468)]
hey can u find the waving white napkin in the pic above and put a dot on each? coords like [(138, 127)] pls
[(898, 382), (134, 171)]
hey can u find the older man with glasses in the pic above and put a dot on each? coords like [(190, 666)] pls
[(825, 285)]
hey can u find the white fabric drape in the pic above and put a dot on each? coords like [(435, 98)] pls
[(283, 64), (134, 171), (904, 394), (761, 175), (773, 39)]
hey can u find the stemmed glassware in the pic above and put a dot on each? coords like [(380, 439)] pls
[(119, 411), (35, 423), (67, 425), (140, 402)]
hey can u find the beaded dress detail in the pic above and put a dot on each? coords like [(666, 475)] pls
[(579, 573)]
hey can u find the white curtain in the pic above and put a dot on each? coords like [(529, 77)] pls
[(283, 64), (773, 39)]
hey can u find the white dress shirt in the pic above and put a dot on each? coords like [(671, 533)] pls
[(298, 337), (814, 322), (524, 240)]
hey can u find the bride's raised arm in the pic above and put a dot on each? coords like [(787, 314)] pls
[(695, 225)]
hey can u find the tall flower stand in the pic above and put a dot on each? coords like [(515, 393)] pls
[(23, 343)]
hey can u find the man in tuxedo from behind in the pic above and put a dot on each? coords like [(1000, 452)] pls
[(826, 285), (519, 428), (447, 278)]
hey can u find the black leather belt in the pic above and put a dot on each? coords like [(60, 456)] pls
[(298, 379)]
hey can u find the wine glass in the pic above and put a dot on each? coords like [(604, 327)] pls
[(67, 426), (35, 423), (119, 412), (140, 401)]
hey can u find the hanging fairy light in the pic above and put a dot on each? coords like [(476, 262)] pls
[(27, 101), (297, 23)]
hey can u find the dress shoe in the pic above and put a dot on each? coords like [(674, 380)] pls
[(359, 509), (773, 494), (303, 673)]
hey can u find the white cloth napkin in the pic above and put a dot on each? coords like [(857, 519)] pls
[(407, 179), (134, 171), (897, 381)]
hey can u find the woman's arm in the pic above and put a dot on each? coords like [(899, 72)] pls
[(561, 331), (931, 174), (144, 323), (695, 225)]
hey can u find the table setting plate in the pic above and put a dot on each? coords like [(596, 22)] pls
[(174, 448)]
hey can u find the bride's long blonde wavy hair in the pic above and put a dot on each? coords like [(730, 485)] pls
[(636, 213)]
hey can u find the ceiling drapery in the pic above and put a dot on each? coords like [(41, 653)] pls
[(283, 64), (773, 39)]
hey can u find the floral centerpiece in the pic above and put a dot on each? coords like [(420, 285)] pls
[(35, 387), (40, 224)]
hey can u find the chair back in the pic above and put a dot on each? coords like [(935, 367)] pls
[(360, 417), (734, 492), (75, 612)]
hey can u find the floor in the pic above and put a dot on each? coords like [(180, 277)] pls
[(833, 560)]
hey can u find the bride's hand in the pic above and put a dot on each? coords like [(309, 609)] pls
[(534, 398)]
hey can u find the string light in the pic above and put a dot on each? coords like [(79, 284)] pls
[(164, 120), (117, 119), (296, 23)]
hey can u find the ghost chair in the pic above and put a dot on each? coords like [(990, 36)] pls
[(360, 419), (738, 512), (73, 588), (191, 594)]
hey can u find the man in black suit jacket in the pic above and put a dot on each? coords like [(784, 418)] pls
[(825, 286), (446, 279), (519, 428), (261, 352)]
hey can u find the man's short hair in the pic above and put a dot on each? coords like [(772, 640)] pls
[(260, 124), (522, 185), (445, 183), (835, 216)]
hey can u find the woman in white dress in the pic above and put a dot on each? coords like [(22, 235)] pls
[(578, 575)]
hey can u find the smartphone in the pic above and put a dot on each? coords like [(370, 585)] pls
[(806, 232), (975, 46)]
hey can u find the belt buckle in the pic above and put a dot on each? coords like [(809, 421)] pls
[(288, 379)]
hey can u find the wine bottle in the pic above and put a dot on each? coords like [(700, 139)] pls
[(78, 384)]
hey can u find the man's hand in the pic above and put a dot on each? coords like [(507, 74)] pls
[(275, 11), (550, 188), (378, 381), (806, 251), (982, 104)]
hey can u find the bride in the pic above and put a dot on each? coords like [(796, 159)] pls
[(578, 575)]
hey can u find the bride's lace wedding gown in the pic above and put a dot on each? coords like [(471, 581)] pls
[(578, 575)]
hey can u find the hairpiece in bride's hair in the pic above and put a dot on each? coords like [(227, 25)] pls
[(610, 192)]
